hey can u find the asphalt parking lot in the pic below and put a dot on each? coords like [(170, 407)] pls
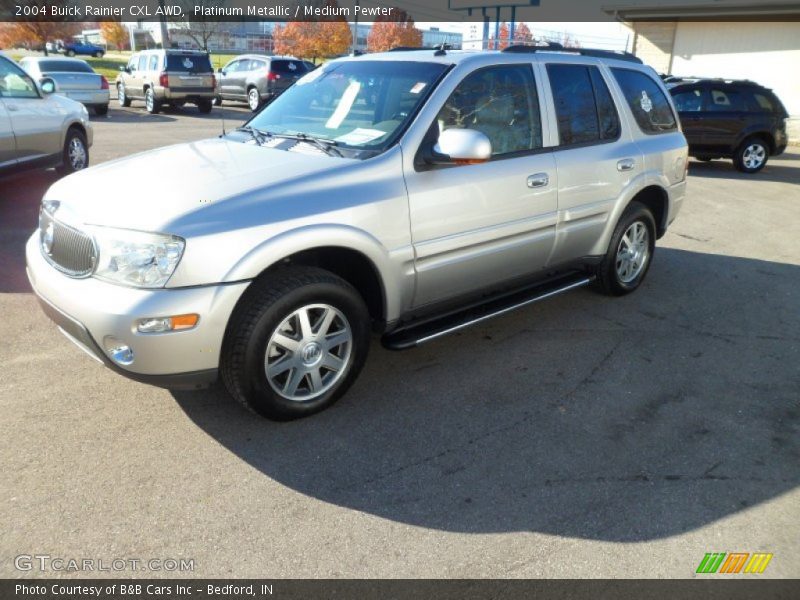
[(581, 437)]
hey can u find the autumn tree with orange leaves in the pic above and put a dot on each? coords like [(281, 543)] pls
[(329, 36), (398, 29), (115, 34), (35, 34)]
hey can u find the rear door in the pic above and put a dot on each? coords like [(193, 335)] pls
[(595, 159), (8, 154), (286, 72), (726, 117), (189, 73)]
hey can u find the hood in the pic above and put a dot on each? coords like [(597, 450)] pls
[(150, 190)]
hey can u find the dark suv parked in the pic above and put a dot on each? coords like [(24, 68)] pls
[(730, 119)]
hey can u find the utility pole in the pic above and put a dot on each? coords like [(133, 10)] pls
[(355, 28), (164, 32)]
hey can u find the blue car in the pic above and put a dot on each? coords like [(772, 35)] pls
[(84, 48)]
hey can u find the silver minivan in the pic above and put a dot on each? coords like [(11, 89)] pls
[(436, 190), (38, 128)]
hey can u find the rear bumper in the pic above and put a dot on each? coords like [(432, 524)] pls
[(91, 312), (189, 94), (89, 98)]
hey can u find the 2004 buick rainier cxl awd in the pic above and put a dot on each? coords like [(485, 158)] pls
[(436, 189)]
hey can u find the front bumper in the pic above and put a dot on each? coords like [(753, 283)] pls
[(89, 311)]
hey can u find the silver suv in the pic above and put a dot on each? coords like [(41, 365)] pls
[(172, 77), (437, 190)]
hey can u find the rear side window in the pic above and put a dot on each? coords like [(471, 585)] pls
[(154, 62), (688, 101), (142, 62), (188, 63), (725, 100), (647, 102), (294, 67), (585, 111)]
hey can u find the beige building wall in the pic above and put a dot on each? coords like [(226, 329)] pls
[(653, 43)]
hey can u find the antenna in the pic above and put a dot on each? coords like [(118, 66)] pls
[(221, 109)]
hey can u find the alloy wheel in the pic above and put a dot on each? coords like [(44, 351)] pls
[(76, 151), (633, 252), (309, 352), (754, 155)]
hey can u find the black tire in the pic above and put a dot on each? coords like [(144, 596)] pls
[(70, 53), (217, 101), (101, 110), (608, 277), (74, 135), (752, 155), (205, 106), (151, 103), (259, 314), (122, 96), (98, 54)]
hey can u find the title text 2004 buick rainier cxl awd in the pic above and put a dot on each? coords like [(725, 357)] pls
[(436, 189)]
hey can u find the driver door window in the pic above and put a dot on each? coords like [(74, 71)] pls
[(15, 83)]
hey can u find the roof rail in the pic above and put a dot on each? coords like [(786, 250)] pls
[(439, 50), (553, 47), (694, 79)]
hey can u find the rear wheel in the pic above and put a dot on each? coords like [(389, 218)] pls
[(76, 152), (101, 110), (630, 252), (122, 97), (152, 105), (295, 343), (751, 156), (204, 106), (253, 99)]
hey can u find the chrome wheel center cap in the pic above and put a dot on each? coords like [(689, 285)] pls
[(312, 354)]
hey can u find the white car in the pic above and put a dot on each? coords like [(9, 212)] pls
[(38, 128)]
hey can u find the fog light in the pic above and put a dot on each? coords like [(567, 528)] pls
[(163, 324), (120, 352)]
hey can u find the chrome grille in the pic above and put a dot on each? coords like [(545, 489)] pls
[(67, 249)]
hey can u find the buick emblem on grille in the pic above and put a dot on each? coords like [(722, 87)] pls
[(47, 239)]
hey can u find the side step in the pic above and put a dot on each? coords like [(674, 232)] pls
[(418, 333)]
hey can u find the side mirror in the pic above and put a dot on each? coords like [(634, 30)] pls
[(461, 147), (47, 85), (219, 70)]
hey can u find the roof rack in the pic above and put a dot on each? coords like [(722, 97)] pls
[(554, 47), (692, 79), (439, 50)]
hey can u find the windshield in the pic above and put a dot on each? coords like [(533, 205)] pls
[(64, 66), (189, 63), (357, 104)]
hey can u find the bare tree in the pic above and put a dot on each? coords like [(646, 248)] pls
[(200, 27)]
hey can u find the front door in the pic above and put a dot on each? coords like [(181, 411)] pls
[(476, 226), (7, 145)]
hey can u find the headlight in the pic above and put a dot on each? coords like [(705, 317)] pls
[(136, 258)]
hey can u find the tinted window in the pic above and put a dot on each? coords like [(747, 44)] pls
[(648, 103), (188, 63), (606, 111), (502, 103), (762, 103), (725, 100), (688, 101), (584, 108), (64, 66), (291, 67)]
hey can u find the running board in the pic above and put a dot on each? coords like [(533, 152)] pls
[(416, 334)]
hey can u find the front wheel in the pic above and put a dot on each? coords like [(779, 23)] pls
[(98, 55), (70, 53), (751, 156), (122, 97), (630, 252), (295, 343), (75, 154)]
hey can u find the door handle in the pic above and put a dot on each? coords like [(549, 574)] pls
[(538, 180), (626, 164)]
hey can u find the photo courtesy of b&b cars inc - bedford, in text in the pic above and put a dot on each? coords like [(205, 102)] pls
[(400, 299)]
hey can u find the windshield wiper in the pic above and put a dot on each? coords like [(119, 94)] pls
[(326, 145), (259, 136)]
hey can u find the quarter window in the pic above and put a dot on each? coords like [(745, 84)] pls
[(764, 103), (585, 111), (725, 100), (500, 102), (647, 102)]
